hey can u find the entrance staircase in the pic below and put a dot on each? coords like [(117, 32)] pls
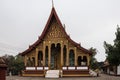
[(52, 74)]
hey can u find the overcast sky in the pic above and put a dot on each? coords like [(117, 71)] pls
[(89, 22)]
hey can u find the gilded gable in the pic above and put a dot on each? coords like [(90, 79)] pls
[(54, 31)]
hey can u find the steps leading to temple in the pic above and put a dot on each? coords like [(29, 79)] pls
[(52, 74)]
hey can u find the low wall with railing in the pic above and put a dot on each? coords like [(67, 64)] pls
[(66, 71), (75, 71), (75, 68), (36, 68)]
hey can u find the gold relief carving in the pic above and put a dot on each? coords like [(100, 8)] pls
[(49, 41), (54, 32), (44, 42), (40, 46), (61, 41)]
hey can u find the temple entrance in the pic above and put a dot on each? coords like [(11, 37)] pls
[(55, 56)]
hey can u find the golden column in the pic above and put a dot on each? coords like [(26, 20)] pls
[(44, 53), (75, 56), (88, 60), (36, 57), (67, 61), (25, 60), (61, 54), (49, 54)]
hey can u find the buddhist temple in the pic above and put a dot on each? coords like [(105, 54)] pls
[(55, 50)]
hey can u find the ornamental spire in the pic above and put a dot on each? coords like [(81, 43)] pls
[(52, 3)]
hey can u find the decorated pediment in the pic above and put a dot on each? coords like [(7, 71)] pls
[(54, 31)]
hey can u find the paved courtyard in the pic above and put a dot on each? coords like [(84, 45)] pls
[(102, 77)]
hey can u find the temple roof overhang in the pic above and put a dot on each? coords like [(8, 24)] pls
[(40, 40)]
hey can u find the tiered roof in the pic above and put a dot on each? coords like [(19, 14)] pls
[(53, 14)]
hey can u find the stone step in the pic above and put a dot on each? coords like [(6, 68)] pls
[(52, 74)]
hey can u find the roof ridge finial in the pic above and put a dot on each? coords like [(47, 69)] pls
[(52, 4)]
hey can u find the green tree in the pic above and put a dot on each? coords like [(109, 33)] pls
[(9, 59), (113, 51), (117, 45), (15, 64), (18, 64), (93, 61)]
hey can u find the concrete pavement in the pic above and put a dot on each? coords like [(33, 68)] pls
[(102, 77)]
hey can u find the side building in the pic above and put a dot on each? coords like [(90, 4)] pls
[(55, 50)]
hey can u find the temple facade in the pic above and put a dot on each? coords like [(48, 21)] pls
[(55, 50)]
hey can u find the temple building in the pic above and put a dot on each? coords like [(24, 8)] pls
[(55, 50)]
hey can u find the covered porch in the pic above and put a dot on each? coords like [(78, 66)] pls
[(55, 56)]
